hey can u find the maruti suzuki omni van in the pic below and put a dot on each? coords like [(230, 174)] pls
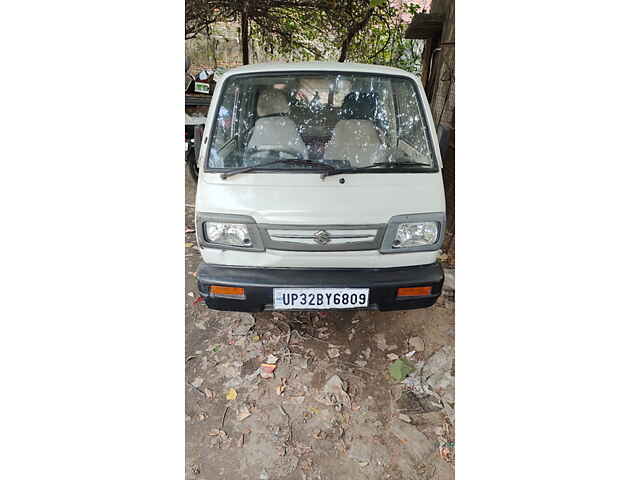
[(320, 188)]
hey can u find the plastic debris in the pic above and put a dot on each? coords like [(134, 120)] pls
[(267, 369), (400, 369), (197, 300), (271, 359)]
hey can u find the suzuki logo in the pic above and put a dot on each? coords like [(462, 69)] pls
[(322, 237)]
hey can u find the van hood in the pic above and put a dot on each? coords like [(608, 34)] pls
[(304, 198)]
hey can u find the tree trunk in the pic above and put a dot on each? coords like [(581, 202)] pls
[(244, 27), (352, 33)]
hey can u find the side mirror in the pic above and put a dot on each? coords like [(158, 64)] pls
[(443, 140)]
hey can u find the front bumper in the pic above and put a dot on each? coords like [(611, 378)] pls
[(259, 283)]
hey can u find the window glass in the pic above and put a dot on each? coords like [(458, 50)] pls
[(411, 129), (346, 120), (224, 116)]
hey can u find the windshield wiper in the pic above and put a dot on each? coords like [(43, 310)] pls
[(288, 161), (394, 165), (373, 165)]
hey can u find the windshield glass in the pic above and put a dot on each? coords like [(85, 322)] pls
[(345, 120)]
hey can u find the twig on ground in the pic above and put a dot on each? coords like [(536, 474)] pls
[(306, 335), (284, 412), (224, 415), (368, 370), (197, 389)]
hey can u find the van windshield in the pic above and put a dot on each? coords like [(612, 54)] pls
[(345, 120)]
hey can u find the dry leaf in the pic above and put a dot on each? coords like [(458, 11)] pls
[(243, 413), (232, 394)]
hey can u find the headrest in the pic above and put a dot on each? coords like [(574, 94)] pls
[(272, 102), (359, 106)]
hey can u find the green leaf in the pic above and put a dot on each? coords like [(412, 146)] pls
[(400, 369)]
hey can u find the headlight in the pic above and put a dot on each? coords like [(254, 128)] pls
[(228, 232), (415, 234), (236, 234)]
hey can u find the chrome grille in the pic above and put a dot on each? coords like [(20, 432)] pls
[(322, 237)]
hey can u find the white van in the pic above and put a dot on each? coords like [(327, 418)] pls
[(320, 188)]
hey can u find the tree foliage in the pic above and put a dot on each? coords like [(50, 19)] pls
[(367, 31)]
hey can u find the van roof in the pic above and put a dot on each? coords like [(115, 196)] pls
[(317, 67)]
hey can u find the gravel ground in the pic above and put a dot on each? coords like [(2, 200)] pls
[(330, 409)]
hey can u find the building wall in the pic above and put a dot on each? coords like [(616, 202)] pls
[(443, 98)]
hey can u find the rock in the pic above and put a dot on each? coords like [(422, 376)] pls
[(432, 382), (417, 344), (197, 382), (392, 356), (380, 341), (410, 402), (244, 322), (437, 369), (361, 363), (333, 353), (405, 418), (414, 443), (360, 451), (442, 470), (201, 323), (335, 389), (230, 369)]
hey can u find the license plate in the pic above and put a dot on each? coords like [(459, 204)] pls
[(319, 298)]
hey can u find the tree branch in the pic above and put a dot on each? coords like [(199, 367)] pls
[(352, 33)]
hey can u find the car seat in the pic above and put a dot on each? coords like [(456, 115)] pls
[(355, 137), (273, 128)]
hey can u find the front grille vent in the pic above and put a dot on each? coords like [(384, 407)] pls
[(322, 237)]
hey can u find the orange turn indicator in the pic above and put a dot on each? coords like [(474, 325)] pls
[(414, 291), (228, 292)]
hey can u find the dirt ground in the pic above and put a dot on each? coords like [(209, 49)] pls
[(332, 409)]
